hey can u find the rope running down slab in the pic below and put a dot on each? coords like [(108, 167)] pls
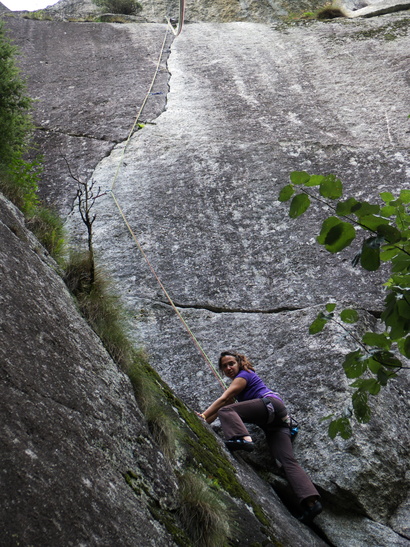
[(184, 323)]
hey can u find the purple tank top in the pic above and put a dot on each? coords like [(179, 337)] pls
[(255, 388)]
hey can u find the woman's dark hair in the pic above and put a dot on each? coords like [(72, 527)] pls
[(242, 361)]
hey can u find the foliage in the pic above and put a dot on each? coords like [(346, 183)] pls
[(326, 11), (18, 178), (48, 227), (125, 7), (38, 15), (202, 513), (14, 103), (150, 398), (99, 306), (378, 357)]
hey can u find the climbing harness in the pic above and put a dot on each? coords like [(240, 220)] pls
[(111, 192)]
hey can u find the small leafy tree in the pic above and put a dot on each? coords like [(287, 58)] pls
[(18, 178), (124, 7), (378, 357)]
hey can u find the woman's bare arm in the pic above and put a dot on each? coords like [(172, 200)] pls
[(226, 398)]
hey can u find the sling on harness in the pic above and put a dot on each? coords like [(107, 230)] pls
[(287, 419)]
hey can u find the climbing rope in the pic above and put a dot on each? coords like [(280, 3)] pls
[(184, 323), (178, 30)]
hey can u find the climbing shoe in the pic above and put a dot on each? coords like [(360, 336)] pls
[(239, 444), (311, 512)]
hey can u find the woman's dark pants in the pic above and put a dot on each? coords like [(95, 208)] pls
[(278, 437)]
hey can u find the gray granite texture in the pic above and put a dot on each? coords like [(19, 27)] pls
[(236, 108)]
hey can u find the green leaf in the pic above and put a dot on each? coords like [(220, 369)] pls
[(377, 340), (388, 211), (403, 308), (299, 177), (373, 365), (354, 365), (404, 346), (401, 263), (286, 193), (335, 234), (389, 233), (387, 197), (331, 187), (405, 196), (367, 384), (372, 222), (318, 324), (326, 417), (299, 205), (383, 376), (346, 207), (387, 359), (341, 427), (315, 180), (366, 209), (399, 328), (370, 255), (387, 253), (360, 406), (349, 316), (330, 307)]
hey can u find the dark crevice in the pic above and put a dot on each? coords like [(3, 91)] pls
[(77, 135), (218, 309), (221, 309), (376, 313)]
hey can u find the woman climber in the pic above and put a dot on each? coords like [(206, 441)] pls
[(260, 406)]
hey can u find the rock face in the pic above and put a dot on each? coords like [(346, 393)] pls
[(71, 428), (74, 106), (247, 104), (219, 10), (354, 9), (78, 463)]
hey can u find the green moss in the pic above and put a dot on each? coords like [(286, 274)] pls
[(388, 32), (39, 15), (169, 520), (136, 483), (202, 451)]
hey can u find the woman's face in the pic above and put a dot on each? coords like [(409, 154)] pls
[(229, 366)]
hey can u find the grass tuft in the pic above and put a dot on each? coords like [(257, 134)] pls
[(202, 513), (99, 306), (150, 398), (48, 227)]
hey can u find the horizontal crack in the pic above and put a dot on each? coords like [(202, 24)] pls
[(77, 135), (217, 309), (283, 309)]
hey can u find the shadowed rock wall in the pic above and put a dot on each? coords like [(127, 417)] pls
[(70, 427)]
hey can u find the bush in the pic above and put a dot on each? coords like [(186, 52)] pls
[(125, 7), (18, 178)]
